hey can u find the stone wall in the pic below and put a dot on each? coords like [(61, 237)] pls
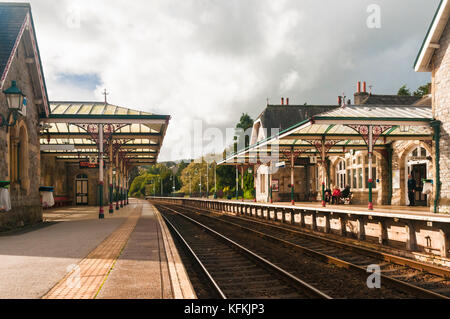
[(25, 198), (53, 173), (441, 111), (73, 170)]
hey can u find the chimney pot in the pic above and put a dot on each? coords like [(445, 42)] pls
[(365, 87), (287, 101), (282, 101), (359, 87), (340, 100)]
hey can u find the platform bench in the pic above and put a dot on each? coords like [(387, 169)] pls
[(63, 201)]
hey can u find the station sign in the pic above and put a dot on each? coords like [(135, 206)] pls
[(90, 165)]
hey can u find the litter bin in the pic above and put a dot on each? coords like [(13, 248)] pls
[(427, 187), (47, 196), (5, 199)]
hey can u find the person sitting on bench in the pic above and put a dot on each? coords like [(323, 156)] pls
[(346, 192), (336, 196)]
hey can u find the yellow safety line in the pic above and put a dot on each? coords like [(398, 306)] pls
[(94, 269)]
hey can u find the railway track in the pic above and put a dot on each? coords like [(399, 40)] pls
[(415, 278), (231, 270)]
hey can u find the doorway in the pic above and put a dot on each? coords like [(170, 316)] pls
[(419, 173), (82, 187)]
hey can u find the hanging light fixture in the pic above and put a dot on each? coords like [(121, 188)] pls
[(15, 100)]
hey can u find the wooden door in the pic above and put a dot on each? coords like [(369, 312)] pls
[(82, 192), (419, 173)]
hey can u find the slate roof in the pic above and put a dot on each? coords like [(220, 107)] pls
[(12, 16), (284, 117), (425, 101), (390, 100)]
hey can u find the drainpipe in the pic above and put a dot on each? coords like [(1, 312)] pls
[(436, 125)]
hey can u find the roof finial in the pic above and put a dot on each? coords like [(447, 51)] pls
[(105, 93)]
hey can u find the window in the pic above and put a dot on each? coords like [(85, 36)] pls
[(356, 175), (19, 162), (263, 183), (341, 175)]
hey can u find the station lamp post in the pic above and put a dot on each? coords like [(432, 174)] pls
[(207, 180), (201, 190), (190, 189), (215, 181), (15, 100)]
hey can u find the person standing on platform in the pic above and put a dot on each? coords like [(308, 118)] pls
[(411, 190)]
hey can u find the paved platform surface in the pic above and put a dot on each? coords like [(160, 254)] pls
[(77, 256)]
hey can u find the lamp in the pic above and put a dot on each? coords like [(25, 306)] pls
[(14, 98)]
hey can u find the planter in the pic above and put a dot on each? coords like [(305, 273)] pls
[(4, 184)]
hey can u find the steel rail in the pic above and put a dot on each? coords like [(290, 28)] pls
[(288, 276), (432, 269), (330, 259), (194, 255)]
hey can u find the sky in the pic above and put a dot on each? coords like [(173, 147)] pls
[(205, 62)]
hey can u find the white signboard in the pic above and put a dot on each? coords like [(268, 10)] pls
[(396, 179)]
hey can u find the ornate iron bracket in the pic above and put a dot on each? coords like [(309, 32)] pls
[(364, 130)]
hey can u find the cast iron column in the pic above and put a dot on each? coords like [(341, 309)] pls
[(101, 214)]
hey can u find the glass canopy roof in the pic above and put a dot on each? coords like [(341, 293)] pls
[(338, 129), (70, 133)]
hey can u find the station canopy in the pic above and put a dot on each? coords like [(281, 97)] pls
[(71, 132), (339, 131)]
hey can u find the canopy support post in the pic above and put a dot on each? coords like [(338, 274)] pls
[(370, 167), (436, 125), (215, 180), (237, 182), (292, 177), (117, 181), (324, 172), (101, 214), (242, 181), (254, 183), (111, 208)]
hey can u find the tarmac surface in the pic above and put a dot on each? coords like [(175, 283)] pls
[(122, 256)]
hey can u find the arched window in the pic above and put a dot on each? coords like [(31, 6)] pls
[(19, 162), (341, 174)]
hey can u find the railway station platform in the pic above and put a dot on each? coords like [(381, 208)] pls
[(388, 210), (74, 255), (408, 232)]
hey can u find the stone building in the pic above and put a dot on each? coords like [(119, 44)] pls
[(401, 150), (19, 144), (64, 146), (274, 119), (434, 57)]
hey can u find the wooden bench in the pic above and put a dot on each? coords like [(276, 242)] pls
[(63, 201)]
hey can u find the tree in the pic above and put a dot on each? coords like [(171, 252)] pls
[(404, 91), (245, 123), (423, 90), (192, 174)]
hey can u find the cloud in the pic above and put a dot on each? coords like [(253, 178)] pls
[(212, 60)]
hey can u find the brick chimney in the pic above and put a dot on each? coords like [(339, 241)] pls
[(361, 96)]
